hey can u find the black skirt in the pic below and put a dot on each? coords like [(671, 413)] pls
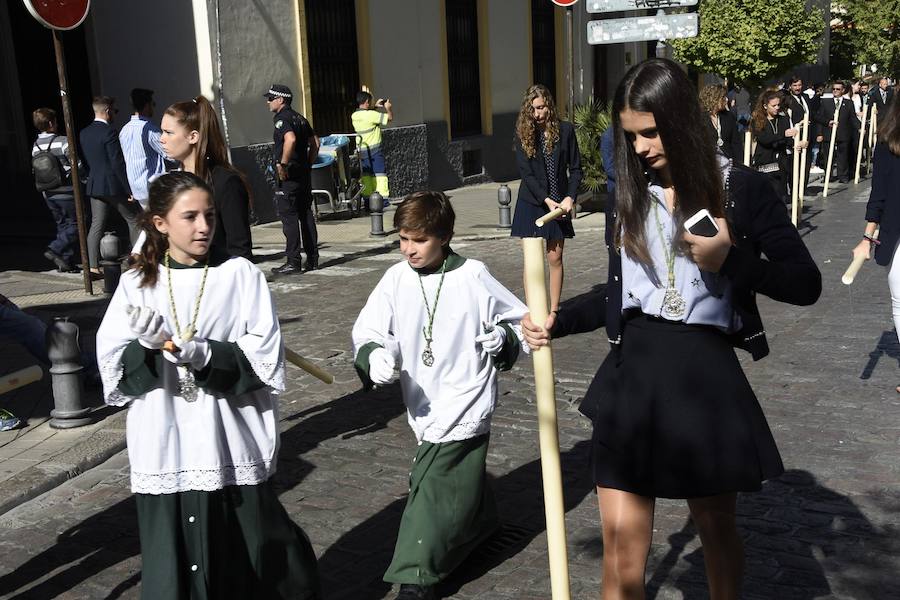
[(525, 216), (674, 416)]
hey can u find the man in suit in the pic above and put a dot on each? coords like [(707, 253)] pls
[(797, 106), (107, 183), (882, 95), (847, 129)]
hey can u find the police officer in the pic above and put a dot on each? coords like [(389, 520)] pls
[(296, 147)]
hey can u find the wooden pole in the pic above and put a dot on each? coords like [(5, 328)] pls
[(19, 378), (73, 160), (834, 128), (803, 159), (795, 172), (553, 214), (873, 129), (554, 508), (310, 367), (748, 138), (855, 265), (862, 140)]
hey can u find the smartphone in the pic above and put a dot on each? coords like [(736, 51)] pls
[(702, 224)]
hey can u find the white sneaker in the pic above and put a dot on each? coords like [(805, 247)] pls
[(815, 169)]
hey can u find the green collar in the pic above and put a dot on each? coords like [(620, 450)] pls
[(216, 258), (454, 261)]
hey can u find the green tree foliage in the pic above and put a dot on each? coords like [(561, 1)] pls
[(749, 41), (870, 29)]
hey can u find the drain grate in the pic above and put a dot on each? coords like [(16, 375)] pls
[(508, 537)]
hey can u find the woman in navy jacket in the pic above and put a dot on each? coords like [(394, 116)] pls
[(673, 414), (550, 168), (883, 209)]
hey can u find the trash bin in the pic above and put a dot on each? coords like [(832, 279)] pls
[(323, 178), (338, 146)]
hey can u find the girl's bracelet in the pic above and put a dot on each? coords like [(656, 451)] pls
[(871, 239)]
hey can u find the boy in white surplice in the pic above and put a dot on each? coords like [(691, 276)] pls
[(450, 327)]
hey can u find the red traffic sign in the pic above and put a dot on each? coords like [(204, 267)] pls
[(565, 3), (58, 14)]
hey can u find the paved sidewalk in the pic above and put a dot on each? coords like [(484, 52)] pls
[(36, 457)]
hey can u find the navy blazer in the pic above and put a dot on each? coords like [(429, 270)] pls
[(760, 225), (534, 188), (881, 209), (103, 155)]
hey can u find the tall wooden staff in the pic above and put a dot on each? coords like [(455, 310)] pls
[(873, 129), (862, 140), (795, 172), (803, 155), (834, 127), (748, 140), (554, 509)]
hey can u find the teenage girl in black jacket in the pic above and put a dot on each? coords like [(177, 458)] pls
[(673, 414)]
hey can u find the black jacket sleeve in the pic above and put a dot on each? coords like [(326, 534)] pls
[(529, 179), (881, 183), (787, 273), (233, 206), (116, 158), (581, 314)]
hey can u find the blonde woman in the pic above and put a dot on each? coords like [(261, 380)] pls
[(714, 100), (550, 168)]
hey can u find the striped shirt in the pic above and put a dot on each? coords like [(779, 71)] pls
[(144, 155), (59, 147)]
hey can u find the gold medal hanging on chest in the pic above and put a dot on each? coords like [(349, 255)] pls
[(187, 385)]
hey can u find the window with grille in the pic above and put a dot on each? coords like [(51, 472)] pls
[(462, 68), (333, 63), (543, 44)]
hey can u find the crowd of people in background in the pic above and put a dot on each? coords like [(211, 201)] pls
[(774, 120)]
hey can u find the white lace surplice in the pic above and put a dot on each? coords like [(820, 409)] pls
[(454, 399), (175, 445)]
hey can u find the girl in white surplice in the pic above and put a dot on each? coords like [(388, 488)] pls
[(191, 343)]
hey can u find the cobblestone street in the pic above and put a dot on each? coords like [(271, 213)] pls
[(827, 529)]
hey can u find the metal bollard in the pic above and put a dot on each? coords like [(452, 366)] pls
[(376, 212), (504, 198), (109, 259), (65, 372)]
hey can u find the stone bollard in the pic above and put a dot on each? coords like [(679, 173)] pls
[(65, 373), (504, 198), (109, 259), (376, 213)]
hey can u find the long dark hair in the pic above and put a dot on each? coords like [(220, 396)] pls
[(889, 128), (660, 87), (163, 192)]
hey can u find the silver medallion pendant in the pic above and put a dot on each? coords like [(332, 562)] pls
[(187, 385), (673, 305), (427, 357)]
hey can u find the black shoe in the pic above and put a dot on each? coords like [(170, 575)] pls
[(287, 268), (312, 263), (62, 265), (411, 591)]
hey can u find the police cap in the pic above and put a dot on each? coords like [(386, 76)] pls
[(277, 90)]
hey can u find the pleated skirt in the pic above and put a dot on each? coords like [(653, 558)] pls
[(675, 417)]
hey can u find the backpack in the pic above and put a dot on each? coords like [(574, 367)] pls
[(48, 170)]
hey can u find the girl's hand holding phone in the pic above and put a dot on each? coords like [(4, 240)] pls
[(709, 252)]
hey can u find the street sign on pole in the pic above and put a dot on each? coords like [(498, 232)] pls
[(565, 3), (640, 29), (602, 6), (62, 15), (59, 14)]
